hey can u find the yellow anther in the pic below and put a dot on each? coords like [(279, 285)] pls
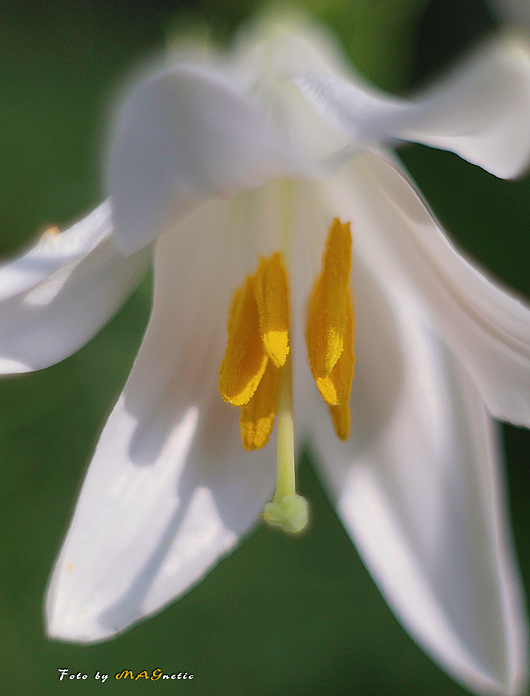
[(340, 415), (51, 233), (258, 345), (272, 297), (245, 358), (335, 387), (330, 325), (327, 318), (257, 417)]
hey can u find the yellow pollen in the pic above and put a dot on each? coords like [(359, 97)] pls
[(272, 298), (257, 417), (330, 326), (245, 358), (258, 340)]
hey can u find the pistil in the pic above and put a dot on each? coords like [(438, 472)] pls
[(287, 509)]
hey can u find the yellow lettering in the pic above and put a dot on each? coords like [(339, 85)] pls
[(126, 673)]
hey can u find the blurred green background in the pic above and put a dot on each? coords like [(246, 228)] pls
[(279, 616)]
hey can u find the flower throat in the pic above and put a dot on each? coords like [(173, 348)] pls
[(255, 374)]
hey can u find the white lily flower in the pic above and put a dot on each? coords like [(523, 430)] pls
[(216, 165)]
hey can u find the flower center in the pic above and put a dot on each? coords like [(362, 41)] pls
[(255, 374)]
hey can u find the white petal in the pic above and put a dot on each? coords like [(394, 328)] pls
[(485, 326), (421, 497), (264, 60), (516, 12), (146, 528), (481, 111), (170, 489), (60, 293), (185, 136)]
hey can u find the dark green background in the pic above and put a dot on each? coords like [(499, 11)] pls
[(280, 616)]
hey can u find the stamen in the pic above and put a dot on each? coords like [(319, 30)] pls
[(272, 298), (329, 333), (287, 509), (257, 417), (51, 233), (245, 358), (256, 375), (335, 386)]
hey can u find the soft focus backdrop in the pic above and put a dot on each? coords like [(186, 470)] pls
[(281, 615)]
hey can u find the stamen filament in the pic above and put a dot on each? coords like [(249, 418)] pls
[(287, 509)]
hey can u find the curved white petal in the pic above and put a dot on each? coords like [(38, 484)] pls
[(144, 531), (418, 489), (486, 327), (267, 55), (58, 295), (481, 111), (184, 136), (170, 489)]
